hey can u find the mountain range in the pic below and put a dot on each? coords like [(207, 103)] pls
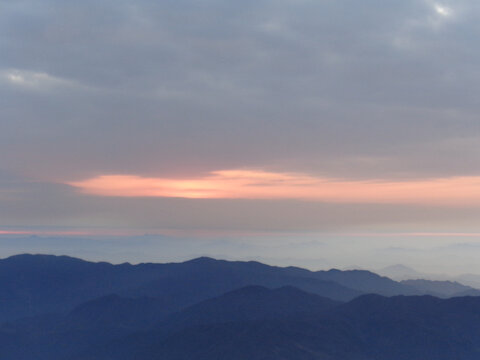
[(36, 284), (65, 308)]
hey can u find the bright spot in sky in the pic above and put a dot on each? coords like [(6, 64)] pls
[(15, 78), (442, 10)]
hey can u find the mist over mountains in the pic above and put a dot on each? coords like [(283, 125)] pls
[(58, 307)]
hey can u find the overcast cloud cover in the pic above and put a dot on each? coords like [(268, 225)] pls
[(343, 89)]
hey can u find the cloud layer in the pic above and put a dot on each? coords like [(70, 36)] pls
[(335, 88), (357, 116)]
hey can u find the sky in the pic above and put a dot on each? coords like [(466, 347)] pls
[(319, 133)]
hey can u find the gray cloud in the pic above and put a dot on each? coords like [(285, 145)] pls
[(342, 88)]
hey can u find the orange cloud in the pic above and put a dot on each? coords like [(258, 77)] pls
[(253, 184)]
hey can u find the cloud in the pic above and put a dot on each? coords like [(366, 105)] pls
[(316, 87), (254, 184), (320, 92), (35, 81), (46, 208)]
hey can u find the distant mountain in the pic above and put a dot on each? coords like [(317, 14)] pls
[(367, 282), (442, 288), (471, 280), (400, 272)]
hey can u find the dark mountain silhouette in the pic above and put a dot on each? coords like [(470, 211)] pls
[(36, 284), (96, 321), (202, 278), (262, 339), (32, 285), (248, 304), (369, 327), (420, 327), (112, 317), (113, 311), (213, 309)]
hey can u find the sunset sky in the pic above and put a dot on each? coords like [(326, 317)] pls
[(319, 133)]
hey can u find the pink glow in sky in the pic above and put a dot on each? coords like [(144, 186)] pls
[(47, 232), (254, 184)]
